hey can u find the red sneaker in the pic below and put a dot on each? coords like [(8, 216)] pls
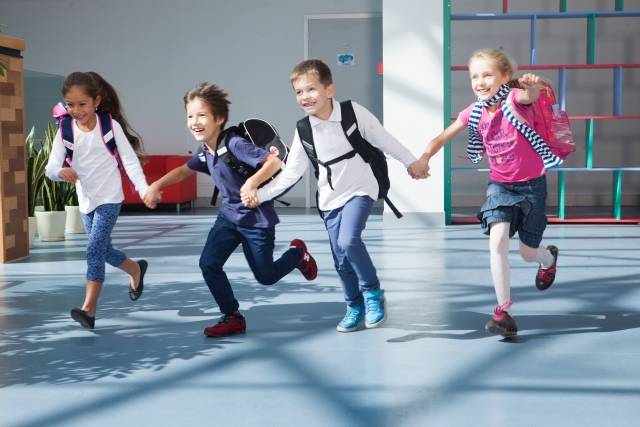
[(307, 266), (546, 276), (229, 324)]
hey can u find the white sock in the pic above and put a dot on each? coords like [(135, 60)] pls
[(544, 257), (499, 260)]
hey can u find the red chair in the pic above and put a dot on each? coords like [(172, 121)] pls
[(154, 167)]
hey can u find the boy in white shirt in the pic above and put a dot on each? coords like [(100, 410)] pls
[(347, 187)]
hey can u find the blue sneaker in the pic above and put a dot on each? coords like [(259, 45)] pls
[(352, 320), (374, 302)]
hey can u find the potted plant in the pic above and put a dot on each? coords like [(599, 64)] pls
[(54, 194), (73, 224), (35, 178)]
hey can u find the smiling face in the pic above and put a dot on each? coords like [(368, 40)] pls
[(486, 77), (202, 123), (313, 96), (82, 107)]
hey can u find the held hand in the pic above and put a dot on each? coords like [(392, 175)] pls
[(251, 203), (420, 168), (529, 80), (152, 197), (68, 175), (249, 195)]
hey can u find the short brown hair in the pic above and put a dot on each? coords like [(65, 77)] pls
[(214, 97), (314, 67)]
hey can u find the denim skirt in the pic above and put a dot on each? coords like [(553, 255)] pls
[(523, 204)]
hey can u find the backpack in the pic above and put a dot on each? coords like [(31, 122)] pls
[(65, 125), (260, 133), (370, 154), (551, 123)]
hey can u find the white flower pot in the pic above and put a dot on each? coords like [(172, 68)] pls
[(51, 225), (33, 227), (74, 224)]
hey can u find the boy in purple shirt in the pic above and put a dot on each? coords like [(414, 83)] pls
[(207, 110)]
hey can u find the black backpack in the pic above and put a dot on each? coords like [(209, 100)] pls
[(370, 154), (257, 131)]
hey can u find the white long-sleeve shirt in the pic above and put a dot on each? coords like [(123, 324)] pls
[(99, 179), (350, 177)]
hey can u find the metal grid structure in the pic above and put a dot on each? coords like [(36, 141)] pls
[(590, 120)]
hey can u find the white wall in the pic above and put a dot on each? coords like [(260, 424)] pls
[(153, 51), (413, 98)]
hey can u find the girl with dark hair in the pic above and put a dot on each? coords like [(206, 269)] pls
[(95, 172)]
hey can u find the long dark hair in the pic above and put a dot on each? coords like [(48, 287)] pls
[(94, 85)]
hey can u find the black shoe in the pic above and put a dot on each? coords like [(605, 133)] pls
[(501, 323), (134, 294), (83, 318)]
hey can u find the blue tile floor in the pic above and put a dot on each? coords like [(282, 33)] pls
[(575, 362)]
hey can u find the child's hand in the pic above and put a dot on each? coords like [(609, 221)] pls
[(529, 80), (419, 169), (68, 175), (250, 201), (249, 195), (152, 197)]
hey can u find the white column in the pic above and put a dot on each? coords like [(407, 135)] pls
[(413, 99)]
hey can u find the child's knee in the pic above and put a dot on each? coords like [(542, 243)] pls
[(348, 243), (265, 279), (207, 264)]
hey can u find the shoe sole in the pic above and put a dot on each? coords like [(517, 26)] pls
[(495, 330), (376, 325), (225, 335), (80, 318), (345, 330)]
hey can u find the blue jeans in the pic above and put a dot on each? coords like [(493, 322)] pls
[(99, 224), (350, 256), (257, 244)]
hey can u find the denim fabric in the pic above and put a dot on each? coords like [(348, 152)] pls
[(99, 224), (257, 244), (522, 204), (351, 259)]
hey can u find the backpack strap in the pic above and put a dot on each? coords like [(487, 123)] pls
[(106, 130), (224, 152), (65, 124), (368, 152), (306, 137)]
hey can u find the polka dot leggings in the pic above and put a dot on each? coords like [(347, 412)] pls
[(99, 225)]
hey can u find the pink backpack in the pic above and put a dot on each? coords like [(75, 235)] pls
[(551, 123)]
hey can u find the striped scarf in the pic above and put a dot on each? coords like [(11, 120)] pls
[(475, 146)]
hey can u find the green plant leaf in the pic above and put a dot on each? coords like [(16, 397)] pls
[(54, 194)]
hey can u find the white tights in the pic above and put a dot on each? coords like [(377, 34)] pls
[(499, 248)]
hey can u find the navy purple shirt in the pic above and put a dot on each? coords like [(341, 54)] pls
[(229, 183)]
